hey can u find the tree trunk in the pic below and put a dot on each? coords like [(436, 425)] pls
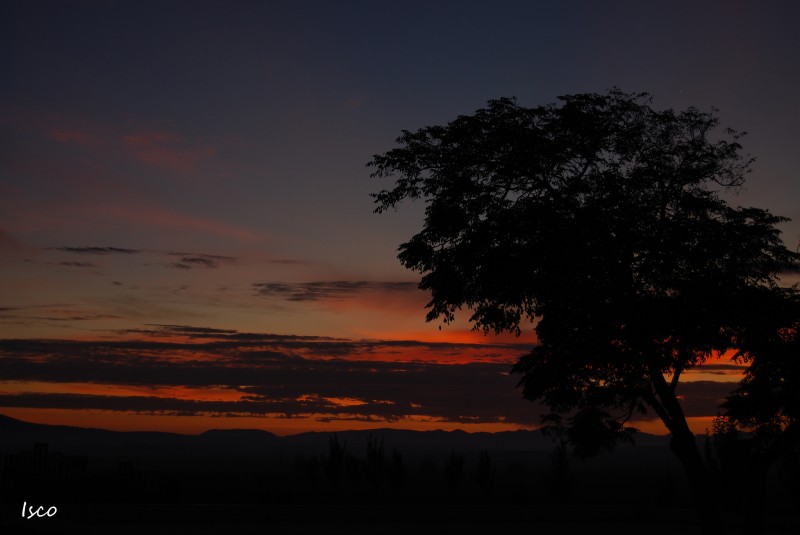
[(704, 495), (684, 445)]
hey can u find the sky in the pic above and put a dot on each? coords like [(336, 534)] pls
[(187, 237)]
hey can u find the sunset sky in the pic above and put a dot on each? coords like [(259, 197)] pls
[(187, 239)]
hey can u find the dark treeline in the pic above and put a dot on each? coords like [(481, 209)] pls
[(380, 473)]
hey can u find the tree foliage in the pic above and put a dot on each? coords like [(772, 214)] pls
[(603, 221), (763, 413)]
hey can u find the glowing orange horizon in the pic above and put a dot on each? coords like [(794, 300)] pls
[(467, 347), (193, 425)]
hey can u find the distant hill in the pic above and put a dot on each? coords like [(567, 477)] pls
[(17, 435)]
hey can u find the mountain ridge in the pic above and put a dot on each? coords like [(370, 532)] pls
[(17, 435)]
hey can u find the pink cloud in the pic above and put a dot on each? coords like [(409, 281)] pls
[(153, 146), (82, 137), (164, 219), (148, 139), (96, 176), (28, 217), (166, 150)]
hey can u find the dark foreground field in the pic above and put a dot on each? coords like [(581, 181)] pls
[(201, 519), (355, 482)]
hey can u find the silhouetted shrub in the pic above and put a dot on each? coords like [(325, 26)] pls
[(453, 469), (664, 489), (484, 471), (789, 474), (308, 467), (332, 464), (558, 478), (375, 465), (352, 468), (427, 468), (397, 470)]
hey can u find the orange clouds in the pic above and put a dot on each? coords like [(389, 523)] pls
[(174, 371), (216, 372)]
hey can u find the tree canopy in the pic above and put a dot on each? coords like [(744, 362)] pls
[(604, 222)]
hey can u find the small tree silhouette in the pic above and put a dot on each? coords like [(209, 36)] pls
[(310, 468), (484, 471), (665, 489), (375, 465), (741, 462), (723, 455), (332, 464), (352, 468), (397, 470), (428, 468), (558, 478), (453, 469), (789, 474)]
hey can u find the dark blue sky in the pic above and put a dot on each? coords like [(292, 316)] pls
[(294, 97)]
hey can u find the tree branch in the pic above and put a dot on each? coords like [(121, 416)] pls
[(651, 399), (673, 384)]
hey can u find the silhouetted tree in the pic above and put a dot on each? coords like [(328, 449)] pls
[(310, 467), (397, 470), (558, 478), (760, 427), (428, 469), (352, 467), (453, 469), (601, 220), (375, 464), (664, 488), (332, 464), (484, 471), (789, 474)]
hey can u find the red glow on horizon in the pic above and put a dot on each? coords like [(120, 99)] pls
[(192, 425)]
